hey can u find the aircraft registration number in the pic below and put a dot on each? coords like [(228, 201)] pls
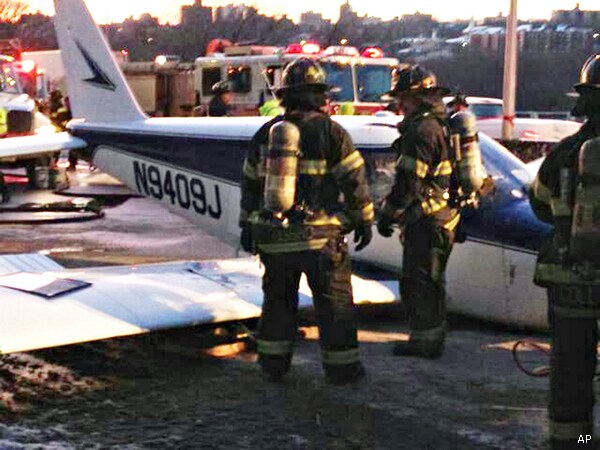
[(184, 190)]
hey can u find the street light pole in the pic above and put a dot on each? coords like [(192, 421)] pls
[(510, 73)]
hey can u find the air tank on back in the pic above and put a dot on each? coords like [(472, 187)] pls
[(465, 144), (585, 231), (281, 170)]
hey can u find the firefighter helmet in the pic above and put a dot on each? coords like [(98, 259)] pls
[(303, 72), (458, 99), (414, 78), (221, 87), (590, 75)]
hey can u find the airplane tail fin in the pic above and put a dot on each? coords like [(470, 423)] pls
[(98, 91)]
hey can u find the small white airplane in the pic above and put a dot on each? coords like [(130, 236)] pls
[(193, 166)]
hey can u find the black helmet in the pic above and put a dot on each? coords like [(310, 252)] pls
[(459, 99), (590, 75), (414, 79), (221, 87), (303, 72)]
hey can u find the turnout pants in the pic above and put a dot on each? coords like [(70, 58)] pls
[(572, 369), (427, 247), (328, 272)]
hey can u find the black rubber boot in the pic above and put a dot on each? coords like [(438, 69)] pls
[(419, 349), (274, 367), (340, 376)]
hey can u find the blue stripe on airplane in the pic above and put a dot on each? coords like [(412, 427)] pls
[(505, 218)]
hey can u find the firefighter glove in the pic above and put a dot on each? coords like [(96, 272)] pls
[(362, 236), (384, 225), (246, 240)]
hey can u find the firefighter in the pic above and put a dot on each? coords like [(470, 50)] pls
[(457, 104), (418, 203), (298, 167), (220, 103), (568, 265)]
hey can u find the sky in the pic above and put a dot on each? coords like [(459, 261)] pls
[(106, 11)]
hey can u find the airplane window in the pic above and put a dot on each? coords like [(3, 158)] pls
[(486, 111), (509, 163)]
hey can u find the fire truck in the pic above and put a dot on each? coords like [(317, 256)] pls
[(254, 72), (21, 82)]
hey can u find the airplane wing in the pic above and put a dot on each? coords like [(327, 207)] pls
[(44, 305), (39, 144)]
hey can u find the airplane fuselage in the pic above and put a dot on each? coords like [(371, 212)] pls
[(193, 167)]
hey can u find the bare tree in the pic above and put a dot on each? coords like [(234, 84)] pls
[(12, 10)]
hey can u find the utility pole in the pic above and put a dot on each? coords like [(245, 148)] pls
[(510, 73)]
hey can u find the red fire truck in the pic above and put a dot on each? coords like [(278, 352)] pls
[(255, 73)]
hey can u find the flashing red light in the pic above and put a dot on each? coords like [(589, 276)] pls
[(125, 52), (26, 66), (372, 52), (530, 135), (306, 48)]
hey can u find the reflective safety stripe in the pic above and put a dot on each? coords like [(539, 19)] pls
[(299, 246), (452, 224), (250, 170), (325, 221), (570, 430), (560, 208), (244, 215), (350, 163), (413, 165), (444, 168), (367, 213), (340, 356), (274, 347), (313, 167), (432, 205), (559, 274), (430, 335), (541, 191)]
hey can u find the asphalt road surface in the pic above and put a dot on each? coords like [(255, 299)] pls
[(163, 392)]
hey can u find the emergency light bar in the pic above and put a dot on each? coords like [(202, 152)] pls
[(372, 52), (341, 50), (306, 48)]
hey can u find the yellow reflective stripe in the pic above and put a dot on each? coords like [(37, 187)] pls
[(444, 168), (324, 221), (244, 215), (340, 356), (276, 348), (299, 246), (452, 224), (350, 163), (560, 208), (559, 274), (250, 170), (432, 205), (570, 430), (313, 167), (413, 165), (3, 121), (541, 191), (367, 213)]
